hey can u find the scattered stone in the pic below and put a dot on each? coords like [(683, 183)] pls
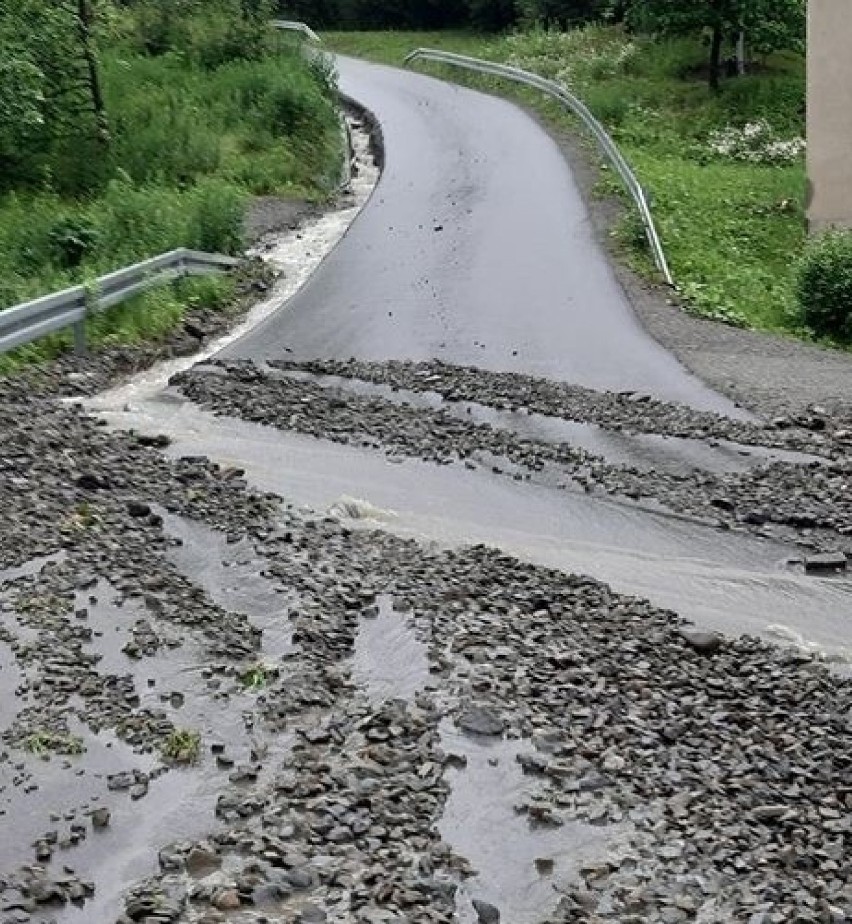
[(829, 562), (485, 913), (100, 818), (703, 642), (479, 720), (227, 900)]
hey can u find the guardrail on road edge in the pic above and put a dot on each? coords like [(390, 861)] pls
[(30, 321), (289, 26), (579, 108)]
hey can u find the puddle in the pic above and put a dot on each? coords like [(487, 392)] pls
[(180, 805), (481, 824), (390, 662), (646, 452), (30, 568), (33, 789), (731, 582), (231, 573), (179, 680)]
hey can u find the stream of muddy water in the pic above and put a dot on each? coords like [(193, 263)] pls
[(735, 583)]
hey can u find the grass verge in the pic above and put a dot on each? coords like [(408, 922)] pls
[(191, 142), (725, 171)]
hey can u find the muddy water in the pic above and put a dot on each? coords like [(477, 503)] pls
[(644, 451), (233, 576), (732, 582), (390, 661), (481, 823)]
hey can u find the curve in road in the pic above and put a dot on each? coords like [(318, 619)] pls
[(476, 248)]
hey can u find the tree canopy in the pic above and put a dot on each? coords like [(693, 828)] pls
[(768, 24)]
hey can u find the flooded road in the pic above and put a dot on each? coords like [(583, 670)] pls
[(734, 583), (418, 681)]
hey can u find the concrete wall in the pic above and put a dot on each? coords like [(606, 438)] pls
[(829, 113)]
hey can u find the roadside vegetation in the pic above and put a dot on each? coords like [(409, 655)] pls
[(129, 129), (713, 126)]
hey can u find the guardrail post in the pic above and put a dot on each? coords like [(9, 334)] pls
[(80, 347)]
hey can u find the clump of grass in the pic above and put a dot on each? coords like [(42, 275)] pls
[(44, 743), (183, 746), (258, 676), (824, 286)]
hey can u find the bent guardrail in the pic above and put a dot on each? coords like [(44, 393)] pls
[(579, 108), (30, 321)]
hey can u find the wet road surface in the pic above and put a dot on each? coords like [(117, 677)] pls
[(475, 248)]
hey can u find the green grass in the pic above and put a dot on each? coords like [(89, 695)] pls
[(44, 743), (191, 143), (183, 746), (734, 231)]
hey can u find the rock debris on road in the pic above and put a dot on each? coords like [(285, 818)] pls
[(809, 503), (715, 770)]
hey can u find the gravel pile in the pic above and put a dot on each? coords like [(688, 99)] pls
[(727, 761), (806, 503), (811, 430), (79, 526)]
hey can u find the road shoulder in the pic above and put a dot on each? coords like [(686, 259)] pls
[(767, 373)]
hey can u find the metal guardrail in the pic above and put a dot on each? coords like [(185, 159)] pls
[(289, 26), (33, 320), (579, 108)]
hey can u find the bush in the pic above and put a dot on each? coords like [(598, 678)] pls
[(825, 286), (72, 239), (216, 217)]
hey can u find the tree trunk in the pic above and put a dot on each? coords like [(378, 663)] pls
[(716, 57), (741, 54), (86, 20)]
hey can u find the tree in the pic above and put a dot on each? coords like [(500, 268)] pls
[(492, 15), (769, 24), (563, 13), (50, 88)]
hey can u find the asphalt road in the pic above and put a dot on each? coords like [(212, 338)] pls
[(476, 248)]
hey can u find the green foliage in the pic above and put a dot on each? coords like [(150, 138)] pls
[(564, 13), (824, 286), (208, 33), (190, 143), (50, 93), (768, 25), (72, 239), (216, 217), (258, 676)]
